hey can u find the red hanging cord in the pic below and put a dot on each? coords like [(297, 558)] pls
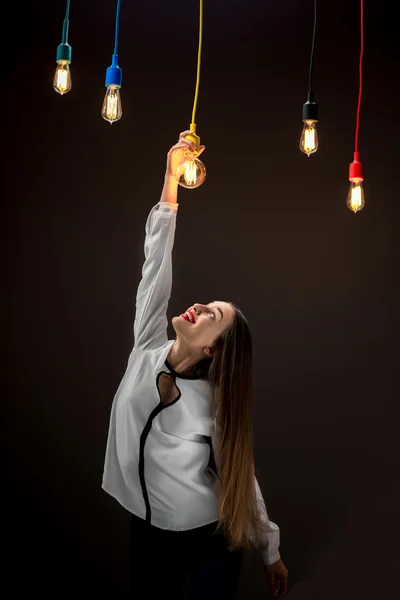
[(360, 86)]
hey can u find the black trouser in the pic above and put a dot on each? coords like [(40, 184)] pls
[(161, 561)]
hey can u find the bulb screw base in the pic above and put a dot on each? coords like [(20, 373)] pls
[(64, 52), (356, 171), (310, 108), (114, 73)]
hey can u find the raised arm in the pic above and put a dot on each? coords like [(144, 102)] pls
[(154, 290)]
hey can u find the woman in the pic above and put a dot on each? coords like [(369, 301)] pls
[(179, 453)]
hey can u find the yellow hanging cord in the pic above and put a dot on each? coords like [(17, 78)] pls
[(193, 124)]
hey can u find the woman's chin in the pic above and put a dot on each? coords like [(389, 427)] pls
[(178, 323), (181, 326)]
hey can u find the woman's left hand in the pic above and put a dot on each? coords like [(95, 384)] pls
[(277, 576)]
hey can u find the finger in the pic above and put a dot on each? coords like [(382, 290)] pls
[(276, 591), (271, 581), (184, 145), (186, 141), (183, 138), (185, 133), (284, 586), (190, 144), (282, 589)]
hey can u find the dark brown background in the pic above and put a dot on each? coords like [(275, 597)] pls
[(269, 230)]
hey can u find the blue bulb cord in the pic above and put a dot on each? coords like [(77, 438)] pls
[(64, 50), (117, 27), (114, 72), (64, 39)]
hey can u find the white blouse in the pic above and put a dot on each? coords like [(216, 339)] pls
[(159, 462)]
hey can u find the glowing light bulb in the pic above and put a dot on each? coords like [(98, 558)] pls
[(191, 172), (62, 79), (355, 197), (112, 107), (309, 137)]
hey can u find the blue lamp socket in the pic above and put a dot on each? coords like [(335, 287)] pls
[(114, 73), (64, 52)]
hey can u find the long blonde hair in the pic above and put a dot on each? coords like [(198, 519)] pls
[(230, 375)]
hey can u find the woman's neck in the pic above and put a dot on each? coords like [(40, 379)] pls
[(182, 360)]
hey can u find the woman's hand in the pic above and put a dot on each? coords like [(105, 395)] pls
[(175, 154), (277, 576)]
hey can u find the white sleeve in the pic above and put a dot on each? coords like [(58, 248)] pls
[(154, 290), (269, 546)]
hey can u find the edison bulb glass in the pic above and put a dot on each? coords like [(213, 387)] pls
[(62, 79), (309, 138), (355, 197), (112, 107), (190, 172)]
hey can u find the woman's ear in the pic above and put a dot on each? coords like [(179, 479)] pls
[(201, 149), (209, 350)]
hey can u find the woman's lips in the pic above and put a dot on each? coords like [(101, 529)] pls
[(186, 319)]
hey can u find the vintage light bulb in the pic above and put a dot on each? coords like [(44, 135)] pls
[(309, 137), (112, 107), (355, 197), (191, 172), (62, 78), (62, 82)]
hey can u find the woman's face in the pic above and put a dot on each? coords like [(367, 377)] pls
[(208, 322)]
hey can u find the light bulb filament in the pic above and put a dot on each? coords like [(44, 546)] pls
[(62, 79), (112, 108), (355, 199), (309, 138), (309, 142), (190, 172)]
